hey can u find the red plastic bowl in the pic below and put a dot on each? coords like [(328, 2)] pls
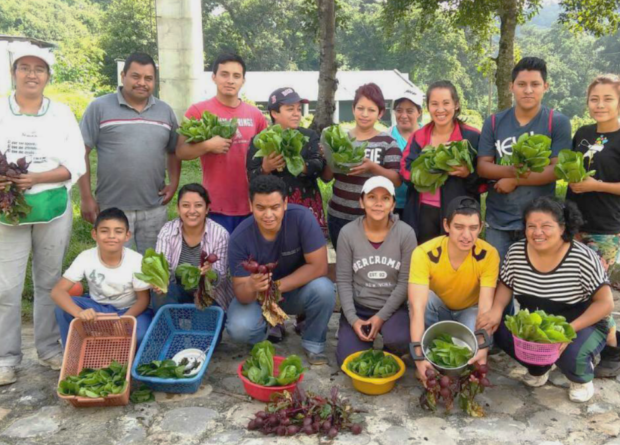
[(263, 393)]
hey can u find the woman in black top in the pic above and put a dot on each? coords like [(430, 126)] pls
[(285, 110), (552, 272), (598, 197)]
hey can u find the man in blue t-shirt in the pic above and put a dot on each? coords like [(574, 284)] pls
[(289, 235), (508, 195)]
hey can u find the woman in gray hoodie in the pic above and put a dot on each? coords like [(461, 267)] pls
[(374, 253)]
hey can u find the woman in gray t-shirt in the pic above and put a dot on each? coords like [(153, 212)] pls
[(374, 252)]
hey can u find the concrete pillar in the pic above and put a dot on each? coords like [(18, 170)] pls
[(179, 42), (6, 83)]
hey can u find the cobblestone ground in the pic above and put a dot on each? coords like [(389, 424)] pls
[(30, 412)]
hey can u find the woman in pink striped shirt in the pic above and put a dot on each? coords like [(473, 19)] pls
[(185, 238)]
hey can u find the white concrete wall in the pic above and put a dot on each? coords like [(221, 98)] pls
[(181, 66)]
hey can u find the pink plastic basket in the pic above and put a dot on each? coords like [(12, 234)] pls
[(539, 354)]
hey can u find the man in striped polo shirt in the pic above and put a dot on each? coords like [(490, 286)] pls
[(135, 136)]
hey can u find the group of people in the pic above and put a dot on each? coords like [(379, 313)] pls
[(405, 259)]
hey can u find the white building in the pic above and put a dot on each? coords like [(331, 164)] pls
[(6, 81)]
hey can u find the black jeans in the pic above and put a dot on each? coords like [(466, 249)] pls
[(429, 223)]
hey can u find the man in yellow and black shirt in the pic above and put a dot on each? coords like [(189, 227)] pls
[(452, 277)]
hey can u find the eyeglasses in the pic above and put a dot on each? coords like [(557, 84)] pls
[(38, 70)]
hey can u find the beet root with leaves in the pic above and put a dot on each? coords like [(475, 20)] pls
[(464, 389), (13, 204), (192, 278), (270, 298), (303, 412)]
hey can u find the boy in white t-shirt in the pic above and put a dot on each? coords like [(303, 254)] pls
[(109, 270)]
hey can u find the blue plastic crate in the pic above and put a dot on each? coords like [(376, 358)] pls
[(177, 327)]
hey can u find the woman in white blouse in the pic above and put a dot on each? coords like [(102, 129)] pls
[(47, 136)]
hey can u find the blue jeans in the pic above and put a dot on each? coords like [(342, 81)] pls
[(230, 223), (502, 240), (85, 302), (436, 311), (246, 324), (176, 295)]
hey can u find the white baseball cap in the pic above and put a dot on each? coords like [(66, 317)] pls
[(379, 181), (25, 49), (415, 96)]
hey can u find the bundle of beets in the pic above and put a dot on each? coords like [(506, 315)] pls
[(13, 204)]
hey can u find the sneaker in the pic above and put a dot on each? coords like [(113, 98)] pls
[(316, 358), (536, 381), (7, 375), (581, 392), (276, 333), (54, 363)]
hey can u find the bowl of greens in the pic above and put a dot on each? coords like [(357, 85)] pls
[(373, 372), (449, 345), (264, 373)]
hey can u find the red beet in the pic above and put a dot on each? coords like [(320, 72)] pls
[(485, 382), (212, 258), (445, 393), (292, 430), (252, 425), (271, 266), (333, 432), (252, 267), (356, 429), (262, 269), (309, 430), (281, 431), (444, 382), (430, 373)]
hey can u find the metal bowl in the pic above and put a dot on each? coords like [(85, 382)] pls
[(461, 335)]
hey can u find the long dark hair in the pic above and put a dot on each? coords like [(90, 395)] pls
[(446, 85), (565, 213)]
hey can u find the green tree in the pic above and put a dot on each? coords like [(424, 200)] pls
[(268, 35), (480, 16), (74, 26), (128, 26)]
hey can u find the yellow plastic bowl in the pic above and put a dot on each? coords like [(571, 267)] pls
[(373, 387)]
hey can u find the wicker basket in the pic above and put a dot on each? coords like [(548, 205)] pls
[(95, 345)]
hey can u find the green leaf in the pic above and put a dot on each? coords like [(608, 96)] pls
[(374, 364), (155, 270), (190, 276)]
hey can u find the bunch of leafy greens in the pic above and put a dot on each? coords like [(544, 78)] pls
[(155, 270), (529, 154), (168, 369), (374, 364), (570, 167), (204, 285), (287, 143), (208, 126), (258, 368), (443, 352), (430, 169), (95, 383), (190, 276), (142, 395), (344, 153), (539, 327)]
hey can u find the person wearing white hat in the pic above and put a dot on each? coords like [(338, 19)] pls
[(374, 254), (408, 111), (47, 136)]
